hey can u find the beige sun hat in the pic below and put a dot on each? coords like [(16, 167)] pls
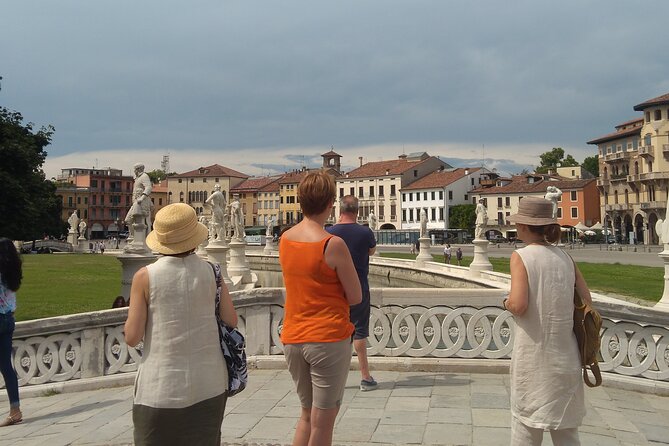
[(176, 230), (534, 211)]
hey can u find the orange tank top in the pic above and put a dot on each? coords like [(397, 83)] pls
[(316, 309)]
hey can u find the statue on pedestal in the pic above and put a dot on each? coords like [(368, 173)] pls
[(73, 221), (270, 227), (553, 194), (423, 223), (140, 211), (481, 220), (371, 221), (237, 218), (82, 229), (218, 204)]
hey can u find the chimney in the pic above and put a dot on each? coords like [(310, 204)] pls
[(466, 171), (387, 172), (360, 158)]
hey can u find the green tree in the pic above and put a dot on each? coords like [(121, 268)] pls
[(591, 164), (28, 203), (554, 159), (462, 216)]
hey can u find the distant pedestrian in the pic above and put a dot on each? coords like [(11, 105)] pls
[(412, 249), (447, 254), (10, 281), (458, 256), (417, 246), (102, 247)]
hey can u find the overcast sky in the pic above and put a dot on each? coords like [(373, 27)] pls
[(265, 86)]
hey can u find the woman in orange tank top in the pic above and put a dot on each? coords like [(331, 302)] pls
[(321, 283)]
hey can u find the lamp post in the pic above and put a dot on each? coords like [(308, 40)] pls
[(118, 233)]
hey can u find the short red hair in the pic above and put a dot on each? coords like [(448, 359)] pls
[(315, 192)]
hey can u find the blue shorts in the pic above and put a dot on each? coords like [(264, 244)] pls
[(360, 317)]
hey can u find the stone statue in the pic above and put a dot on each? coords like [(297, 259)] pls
[(270, 227), (82, 229), (371, 221), (423, 223), (553, 194), (140, 211), (73, 221), (237, 218), (218, 204), (662, 226), (481, 220)]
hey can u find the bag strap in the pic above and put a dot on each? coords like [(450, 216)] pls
[(594, 368), (217, 301)]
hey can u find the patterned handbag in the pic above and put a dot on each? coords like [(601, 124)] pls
[(232, 344)]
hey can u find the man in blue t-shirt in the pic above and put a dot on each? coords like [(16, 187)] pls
[(362, 244)]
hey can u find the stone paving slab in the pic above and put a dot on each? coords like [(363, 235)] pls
[(407, 408)]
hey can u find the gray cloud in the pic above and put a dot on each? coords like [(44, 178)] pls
[(222, 75)]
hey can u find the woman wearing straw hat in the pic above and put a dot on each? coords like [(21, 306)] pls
[(321, 284), (546, 384), (180, 389)]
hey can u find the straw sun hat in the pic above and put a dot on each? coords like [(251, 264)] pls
[(534, 211), (176, 230)]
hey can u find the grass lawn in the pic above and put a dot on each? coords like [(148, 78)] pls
[(57, 284), (605, 278)]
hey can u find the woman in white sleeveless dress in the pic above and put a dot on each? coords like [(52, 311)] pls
[(546, 382), (181, 383)]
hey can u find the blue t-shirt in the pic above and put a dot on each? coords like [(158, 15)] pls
[(359, 240), (7, 299)]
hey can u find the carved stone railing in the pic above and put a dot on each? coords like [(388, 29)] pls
[(463, 323)]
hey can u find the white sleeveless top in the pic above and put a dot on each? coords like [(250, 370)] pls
[(182, 363), (546, 381)]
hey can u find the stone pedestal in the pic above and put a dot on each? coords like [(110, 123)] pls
[(217, 252), (137, 245), (480, 262), (269, 245), (424, 254), (238, 265), (72, 239), (663, 304), (131, 263)]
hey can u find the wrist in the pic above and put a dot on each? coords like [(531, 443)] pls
[(504, 303)]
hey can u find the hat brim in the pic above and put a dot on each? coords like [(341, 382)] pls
[(532, 221), (199, 235)]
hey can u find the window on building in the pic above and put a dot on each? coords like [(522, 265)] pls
[(404, 196), (441, 194), (507, 202), (433, 195), (393, 211), (360, 192), (647, 116), (192, 180), (371, 191), (215, 180), (410, 196), (69, 201), (425, 196), (381, 190), (415, 173), (441, 214), (559, 213), (574, 212), (646, 140), (352, 191), (434, 214), (410, 215), (392, 190), (85, 200), (572, 195), (658, 115), (341, 192), (500, 218), (627, 196), (94, 183), (179, 180), (450, 195), (404, 215), (102, 200), (417, 196), (95, 200), (499, 202), (466, 197), (78, 200), (473, 181), (204, 180)]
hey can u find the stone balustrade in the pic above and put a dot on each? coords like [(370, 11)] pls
[(462, 323)]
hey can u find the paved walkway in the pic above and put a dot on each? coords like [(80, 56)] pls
[(407, 408)]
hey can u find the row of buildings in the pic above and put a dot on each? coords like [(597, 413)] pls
[(630, 195)]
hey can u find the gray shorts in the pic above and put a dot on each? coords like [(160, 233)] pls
[(319, 370), (360, 317)]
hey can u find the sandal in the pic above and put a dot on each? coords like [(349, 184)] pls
[(11, 420)]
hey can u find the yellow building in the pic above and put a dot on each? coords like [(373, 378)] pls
[(249, 192), (195, 186)]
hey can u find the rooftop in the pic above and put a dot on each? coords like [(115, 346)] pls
[(660, 100), (441, 179), (520, 184), (215, 170)]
